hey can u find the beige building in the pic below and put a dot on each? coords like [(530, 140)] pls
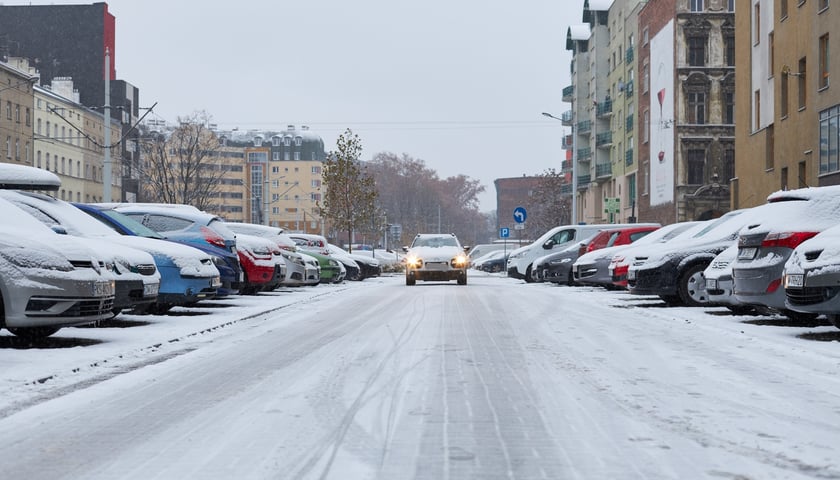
[(788, 115), (16, 103)]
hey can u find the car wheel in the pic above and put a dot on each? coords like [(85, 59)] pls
[(462, 279), (835, 319), (159, 308), (32, 333), (692, 286), (410, 280), (528, 278), (354, 275), (742, 309)]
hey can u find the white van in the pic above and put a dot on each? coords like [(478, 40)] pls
[(522, 259)]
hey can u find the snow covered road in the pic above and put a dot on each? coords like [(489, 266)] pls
[(497, 379)]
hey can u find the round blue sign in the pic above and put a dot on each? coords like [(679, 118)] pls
[(519, 214)]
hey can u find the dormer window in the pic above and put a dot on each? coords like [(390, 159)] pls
[(258, 141), (275, 141), (287, 141), (298, 141)]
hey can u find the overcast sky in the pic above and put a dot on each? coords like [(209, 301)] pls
[(459, 84)]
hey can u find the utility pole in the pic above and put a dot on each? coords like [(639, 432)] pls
[(106, 174)]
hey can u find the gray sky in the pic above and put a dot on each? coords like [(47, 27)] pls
[(459, 84)]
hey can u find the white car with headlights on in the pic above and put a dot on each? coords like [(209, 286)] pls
[(436, 257)]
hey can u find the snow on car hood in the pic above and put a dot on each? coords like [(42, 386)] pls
[(436, 254), (828, 261), (192, 262)]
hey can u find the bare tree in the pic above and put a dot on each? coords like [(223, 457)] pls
[(548, 206), (350, 199), (182, 165)]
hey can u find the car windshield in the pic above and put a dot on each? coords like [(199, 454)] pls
[(435, 242), (131, 224)]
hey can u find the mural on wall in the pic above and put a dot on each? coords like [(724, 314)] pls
[(662, 116)]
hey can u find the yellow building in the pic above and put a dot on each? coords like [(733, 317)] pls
[(16, 100), (788, 114)]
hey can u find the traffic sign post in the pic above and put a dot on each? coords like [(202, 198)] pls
[(504, 232), (519, 214)]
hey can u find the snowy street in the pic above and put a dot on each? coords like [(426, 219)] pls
[(374, 379)]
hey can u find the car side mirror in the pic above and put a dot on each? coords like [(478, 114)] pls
[(405, 249), (466, 248), (547, 245), (59, 229)]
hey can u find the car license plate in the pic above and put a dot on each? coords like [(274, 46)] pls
[(747, 253), (794, 280), (151, 289), (103, 289), (631, 275), (711, 284)]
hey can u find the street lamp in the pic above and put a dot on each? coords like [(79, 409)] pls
[(573, 216)]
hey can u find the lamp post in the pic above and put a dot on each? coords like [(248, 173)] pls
[(573, 216)]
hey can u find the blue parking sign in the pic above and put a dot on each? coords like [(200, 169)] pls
[(504, 232)]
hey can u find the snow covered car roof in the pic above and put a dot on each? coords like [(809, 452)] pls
[(22, 177)]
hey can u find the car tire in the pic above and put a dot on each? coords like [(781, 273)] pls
[(462, 279), (672, 300), (410, 280), (804, 318), (834, 319), (528, 278), (692, 286), (742, 309), (33, 333)]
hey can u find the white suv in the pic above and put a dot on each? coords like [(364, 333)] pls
[(436, 257)]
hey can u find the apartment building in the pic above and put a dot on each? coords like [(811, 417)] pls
[(17, 90), (788, 114)]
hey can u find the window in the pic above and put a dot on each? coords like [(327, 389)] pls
[(728, 165), (783, 9), (770, 142), (645, 77), (801, 84), (8, 109), (757, 23), (287, 156), (696, 166), (38, 126), (697, 51), (783, 96), (8, 146), (38, 159), (297, 156), (729, 107), (17, 148), (696, 108), (729, 52), (757, 109), (28, 117), (830, 140), (771, 53), (646, 127), (696, 5), (275, 141), (48, 129), (17, 113), (645, 36), (316, 184), (287, 141), (730, 5), (275, 156), (316, 170), (298, 141), (822, 5), (824, 58), (783, 179)]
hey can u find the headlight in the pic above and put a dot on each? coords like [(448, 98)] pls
[(459, 261), (333, 263), (287, 256), (413, 261), (218, 261)]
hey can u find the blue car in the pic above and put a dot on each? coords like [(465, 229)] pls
[(227, 264), (188, 225)]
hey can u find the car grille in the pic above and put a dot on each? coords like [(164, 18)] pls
[(809, 295)]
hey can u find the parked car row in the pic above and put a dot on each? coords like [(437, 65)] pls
[(66, 264), (779, 257)]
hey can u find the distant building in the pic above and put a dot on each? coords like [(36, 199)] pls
[(69, 42), (16, 101)]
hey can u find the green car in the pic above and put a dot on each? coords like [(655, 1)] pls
[(332, 271)]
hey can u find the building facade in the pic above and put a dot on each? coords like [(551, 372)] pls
[(512, 193), (788, 113), (17, 93)]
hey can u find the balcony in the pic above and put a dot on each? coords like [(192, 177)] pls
[(584, 181), (584, 126), (568, 142), (603, 170), (567, 118), (628, 157), (628, 87), (628, 55), (628, 123), (566, 189), (569, 93), (604, 109), (603, 140), (584, 154), (566, 166)]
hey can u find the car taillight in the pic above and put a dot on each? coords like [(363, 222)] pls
[(786, 239), (583, 249), (213, 237)]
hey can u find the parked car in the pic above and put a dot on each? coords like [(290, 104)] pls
[(435, 257), (261, 262), (137, 280), (491, 262), (674, 271), (592, 268), (301, 269), (521, 260), (765, 244), (193, 227), (719, 282), (333, 270), (477, 251), (368, 266), (620, 261), (193, 283), (812, 276), (557, 267), (187, 275), (49, 281)]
